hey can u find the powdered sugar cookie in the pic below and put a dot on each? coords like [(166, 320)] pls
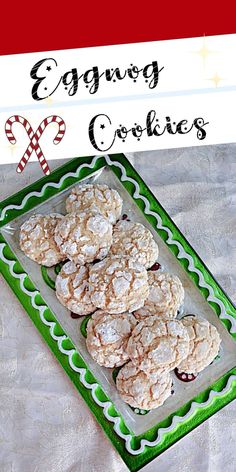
[(72, 289), (37, 239), (84, 237), (158, 344), (134, 240), (97, 197), (139, 391), (204, 345), (165, 296), (107, 337), (118, 284)]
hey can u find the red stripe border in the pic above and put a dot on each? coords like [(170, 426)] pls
[(84, 24)]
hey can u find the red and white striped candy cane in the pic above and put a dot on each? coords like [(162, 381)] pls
[(17, 119), (34, 146), (34, 138)]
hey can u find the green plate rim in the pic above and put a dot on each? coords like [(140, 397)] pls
[(190, 415)]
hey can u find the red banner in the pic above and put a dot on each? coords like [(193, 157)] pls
[(43, 27)]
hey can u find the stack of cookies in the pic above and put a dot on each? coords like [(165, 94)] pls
[(109, 272)]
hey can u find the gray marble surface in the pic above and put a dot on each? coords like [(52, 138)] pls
[(44, 424)]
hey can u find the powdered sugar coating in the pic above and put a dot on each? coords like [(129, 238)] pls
[(138, 390), (118, 284), (107, 337), (165, 297), (37, 239), (204, 344), (134, 240), (96, 197), (158, 344), (72, 289), (84, 237)]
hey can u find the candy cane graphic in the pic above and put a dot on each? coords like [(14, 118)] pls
[(34, 138)]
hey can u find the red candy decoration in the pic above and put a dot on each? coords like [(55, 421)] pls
[(155, 266), (125, 217), (74, 315), (184, 377)]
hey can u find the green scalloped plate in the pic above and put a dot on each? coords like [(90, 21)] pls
[(138, 436)]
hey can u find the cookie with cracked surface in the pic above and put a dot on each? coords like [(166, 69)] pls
[(83, 237), (158, 344), (37, 239), (72, 289), (140, 391), (165, 297), (136, 241), (107, 337), (204, 344), (118, 284), (96, 197)]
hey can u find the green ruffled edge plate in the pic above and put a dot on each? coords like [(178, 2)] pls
[(136, 451)]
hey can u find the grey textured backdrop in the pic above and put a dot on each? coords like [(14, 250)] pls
[(44, 425)]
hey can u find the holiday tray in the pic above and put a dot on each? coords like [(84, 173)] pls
[(138, 435)]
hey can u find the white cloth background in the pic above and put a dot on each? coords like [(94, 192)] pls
[(44, 424)]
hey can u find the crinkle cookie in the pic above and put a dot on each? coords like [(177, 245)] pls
[(84, 237), (139, 391), (72, 289), (165, 296), (118, 284), (99, 198), (204, 345), (37, 239), (136, 241), (158, 344), (107, 337)]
